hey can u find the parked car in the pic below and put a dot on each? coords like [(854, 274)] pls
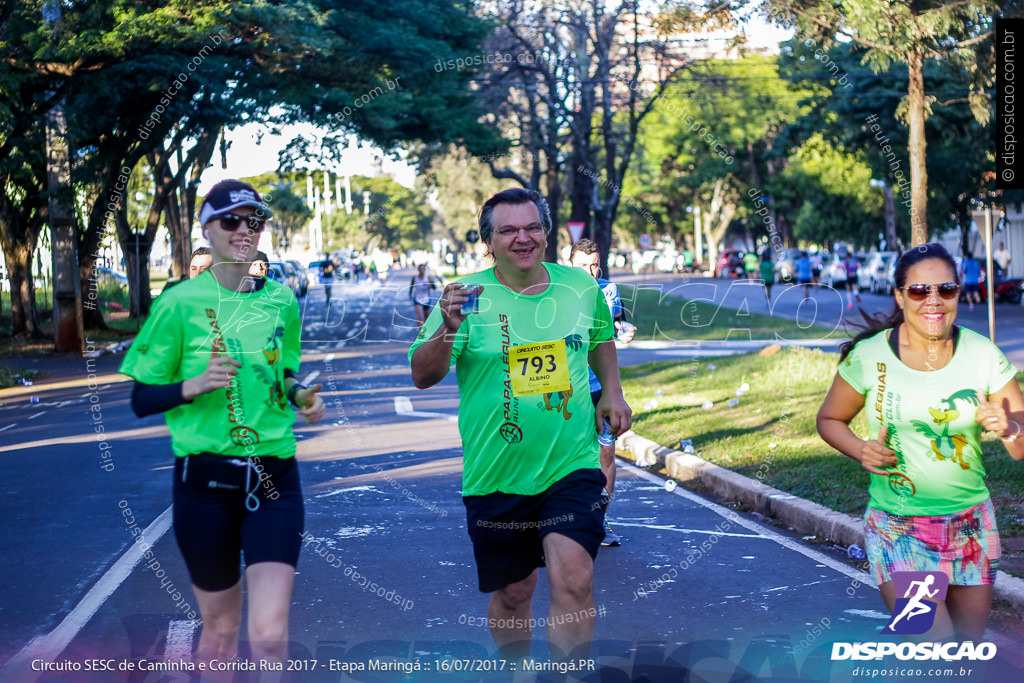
[(874, 274), (283, 272), (300, 270), (785, 265), (104, 275), (833, 272), (730, 264)]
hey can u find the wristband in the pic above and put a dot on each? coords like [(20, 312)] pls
[(291, 393), (1016, 435)]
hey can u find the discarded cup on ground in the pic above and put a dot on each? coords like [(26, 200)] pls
[(744, 387), (659, 392), (686, 445), (707, 405), (739, 393), (33, 399), (856, 552), (670, 485), (651, 405), (733, 402)]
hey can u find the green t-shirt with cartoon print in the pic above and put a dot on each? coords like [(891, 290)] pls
[(259, 329), (930, 419), (514, 440)]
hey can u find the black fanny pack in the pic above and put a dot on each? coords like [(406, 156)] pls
[(212, 472)]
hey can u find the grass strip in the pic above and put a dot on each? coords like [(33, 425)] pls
[(770, 434), (664, 316)]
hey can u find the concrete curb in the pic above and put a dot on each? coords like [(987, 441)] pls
[(803, 515)]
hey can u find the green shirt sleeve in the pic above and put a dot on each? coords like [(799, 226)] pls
[(155, 355), (1000, 370), (292, 338), (603, 327), (852, 369), (432, 324)]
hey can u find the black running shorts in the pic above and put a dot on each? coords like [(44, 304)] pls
[(507, 529), (214, 526)]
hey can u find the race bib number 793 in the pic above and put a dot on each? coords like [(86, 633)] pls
[(539, 368)]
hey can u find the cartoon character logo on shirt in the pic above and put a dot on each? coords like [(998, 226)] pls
[(562, 404), (561, 398), (272, 378), (946, 446)]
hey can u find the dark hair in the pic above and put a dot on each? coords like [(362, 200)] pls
[(515, 195), (199, 251), (877, 323), (261, 256), (766, 256), (584, 246)]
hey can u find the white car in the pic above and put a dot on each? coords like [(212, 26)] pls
[(874, 275), (833, 272)]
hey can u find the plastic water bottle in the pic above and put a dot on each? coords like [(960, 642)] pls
[(856, 552), (606, 439)]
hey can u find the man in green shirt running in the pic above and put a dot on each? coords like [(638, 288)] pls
[(532, 482)]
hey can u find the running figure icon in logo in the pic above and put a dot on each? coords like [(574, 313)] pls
[(921, 592)]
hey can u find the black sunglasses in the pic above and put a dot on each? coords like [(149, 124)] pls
[(231, 221), (947, 290)]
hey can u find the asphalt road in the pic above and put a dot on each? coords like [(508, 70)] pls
[(695, 586)]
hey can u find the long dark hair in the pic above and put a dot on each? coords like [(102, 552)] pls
[(877, 323)]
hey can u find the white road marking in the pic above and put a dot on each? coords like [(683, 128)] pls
[(788, 543), (403, 406), (13, 424), (688, 531), (179, 640), (308, 379), (50, 645), (37, 415)]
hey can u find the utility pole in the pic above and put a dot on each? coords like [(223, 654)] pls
[(69, 334)]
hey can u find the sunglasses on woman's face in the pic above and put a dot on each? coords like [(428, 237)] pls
[(231, 221), (947, 290)]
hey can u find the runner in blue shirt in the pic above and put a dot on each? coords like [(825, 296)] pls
[(585, 255), (803, 273), (970, 270)]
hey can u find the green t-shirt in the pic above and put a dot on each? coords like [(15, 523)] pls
[(523, 444), (259, 329), (930, 418), (767, 269)]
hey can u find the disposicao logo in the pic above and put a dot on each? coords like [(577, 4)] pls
[(914, 613)]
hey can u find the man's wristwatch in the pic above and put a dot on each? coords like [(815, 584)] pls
[(291, 392)]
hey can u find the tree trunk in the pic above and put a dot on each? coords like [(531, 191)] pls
[(554, 197), (137, 268), (918, 146), (23, 291)]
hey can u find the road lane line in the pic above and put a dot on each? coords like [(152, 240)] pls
[(688, 531), (731, 515), (13, 424), (403, 406), (179, 640), (37, 415), (308, 379), (50, 645)]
